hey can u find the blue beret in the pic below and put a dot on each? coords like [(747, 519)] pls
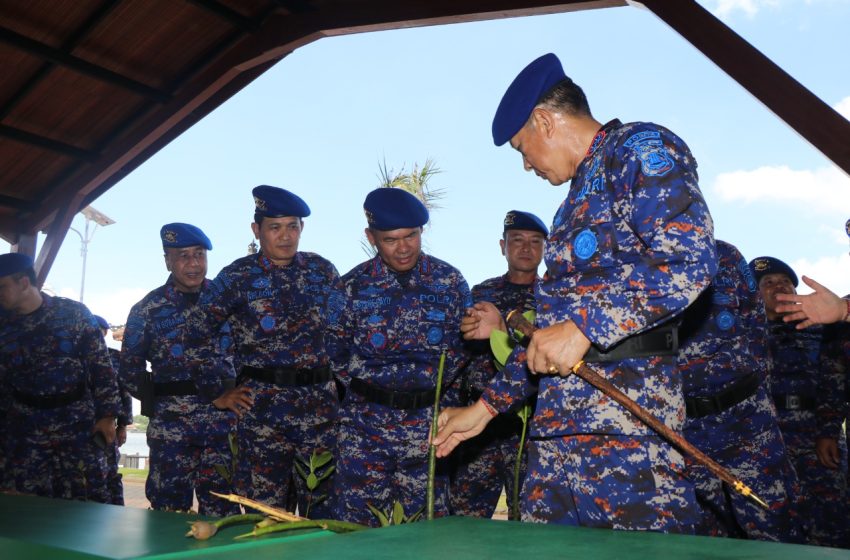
[(523, 94), (274, 202), (389, 208), (12, 263), (517, 219), (101, 322), (177, 235), (769, 265)]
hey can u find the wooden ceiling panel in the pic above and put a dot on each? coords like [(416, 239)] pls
[(153, 41), (28, 172), (18, 69), (49, 22), (71, 121)]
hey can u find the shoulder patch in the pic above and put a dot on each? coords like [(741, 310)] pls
[(655, 161)]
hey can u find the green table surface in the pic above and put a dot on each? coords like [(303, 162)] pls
[(42, 528)]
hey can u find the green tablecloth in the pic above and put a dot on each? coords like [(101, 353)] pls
[(41, 528)]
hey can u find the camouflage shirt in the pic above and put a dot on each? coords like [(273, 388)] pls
[(279, 316), (53, 351), (630, 248), (394, 334), (155, 333)]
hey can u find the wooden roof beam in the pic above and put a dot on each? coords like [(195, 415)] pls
[(46, 143), (802, 110)]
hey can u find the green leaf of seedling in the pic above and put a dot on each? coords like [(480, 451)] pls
[(327, 473), (320, 498), (234, 447), (413, 518), (223, 472), (382, 518), (524, 413), (301, 472), (312, 481), (398, 513), (318, 461)]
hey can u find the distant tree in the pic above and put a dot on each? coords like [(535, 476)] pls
[(415, 182), (140, 422)]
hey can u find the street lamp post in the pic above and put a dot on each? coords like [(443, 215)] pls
[(99, 219)]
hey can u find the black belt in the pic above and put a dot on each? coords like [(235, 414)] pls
[(659, 341), (175, 389), (288, 377), (50, 401), (401, 400), (793, 402), (737, 392)]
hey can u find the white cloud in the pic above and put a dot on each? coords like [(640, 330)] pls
[(725, 8), (824, 191), (843, 107), (832, 272)]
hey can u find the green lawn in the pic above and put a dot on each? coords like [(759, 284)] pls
[(139, 474)]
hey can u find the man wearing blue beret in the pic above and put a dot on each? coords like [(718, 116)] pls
[(187, 436), (60, 391), (281, 304), (113, 452), (809, 398), (402, 312), (725, 365), (484, 465), (629, 249)]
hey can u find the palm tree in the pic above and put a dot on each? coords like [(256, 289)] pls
[(415, 182)]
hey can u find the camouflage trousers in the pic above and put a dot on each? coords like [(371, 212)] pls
[(824, 497), (273, 437), (57, 464), (186, 458), (483, 466), (760, 461), (114, 480), (382, 458), (611, 481)]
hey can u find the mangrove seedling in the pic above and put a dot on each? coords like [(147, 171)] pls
[(432, 451), (396, 516), (309, 471)]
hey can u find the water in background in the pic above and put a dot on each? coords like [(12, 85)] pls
[(136, 443)]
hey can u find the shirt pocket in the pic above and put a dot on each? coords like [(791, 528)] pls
[(586, 248)]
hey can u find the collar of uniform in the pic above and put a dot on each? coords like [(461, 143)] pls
[(266, 264), (173, 295), (601, 134), (506, 281), (379, 268)]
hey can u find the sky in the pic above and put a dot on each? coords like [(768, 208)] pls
[(323, 120)]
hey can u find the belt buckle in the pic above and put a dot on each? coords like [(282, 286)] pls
[(792, 402)]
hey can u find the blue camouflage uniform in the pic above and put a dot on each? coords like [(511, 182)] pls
[(630, 248), (56, 371), (187, 436), (280, 318), (395, 326), (797, 381), (724, 362), (491, 461), (484, 465), (807, 396), (114, 480), (834, 406)]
